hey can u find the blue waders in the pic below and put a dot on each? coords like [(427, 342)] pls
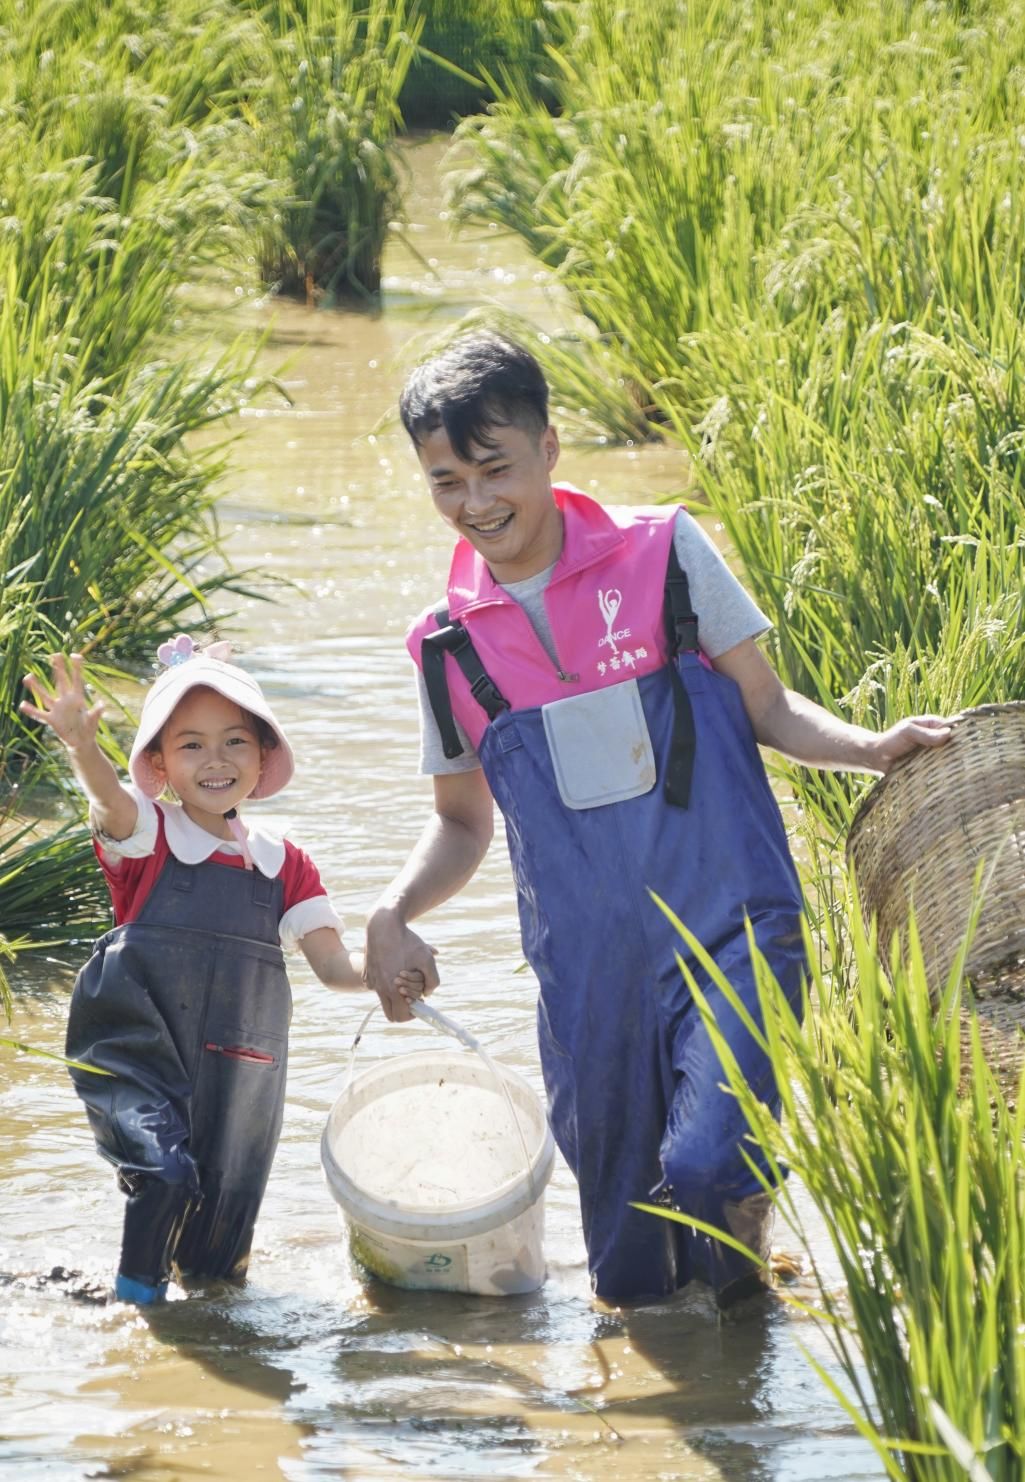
[(632, 1078), (633, 1081), (189, 1007)]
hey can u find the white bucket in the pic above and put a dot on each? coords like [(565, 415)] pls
[(424, 1157)]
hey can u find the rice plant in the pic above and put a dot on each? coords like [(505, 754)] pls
[(112, 201), (716, 172), (115, 195), (6, 956), (914, 1158), (463, 43), (50, 887), (329, 121)]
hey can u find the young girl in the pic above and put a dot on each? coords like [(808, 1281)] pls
[(185, 1002)]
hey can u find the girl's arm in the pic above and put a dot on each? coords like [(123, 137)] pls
[(66, 711), (800, 729), (330, 959), (337, 967)]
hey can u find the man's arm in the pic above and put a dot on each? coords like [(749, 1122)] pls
[(445, 857), (803, 730)]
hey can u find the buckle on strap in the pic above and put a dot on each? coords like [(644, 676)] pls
[(488, 696), (685, 631), (681, 621), (432, 652), (451, 637)]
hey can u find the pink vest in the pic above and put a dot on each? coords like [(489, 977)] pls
[(604, 604)]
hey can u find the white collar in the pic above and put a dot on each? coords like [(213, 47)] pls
[(191, 844)]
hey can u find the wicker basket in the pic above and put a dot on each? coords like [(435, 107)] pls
[(999, 996), (918, 839)]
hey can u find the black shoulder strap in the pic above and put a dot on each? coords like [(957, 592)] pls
[(681, 625), (681, 621), (452, 637)]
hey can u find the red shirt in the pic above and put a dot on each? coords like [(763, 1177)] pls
[(131, 880)]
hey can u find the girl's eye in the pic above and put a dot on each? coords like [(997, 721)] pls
[(238, 740)]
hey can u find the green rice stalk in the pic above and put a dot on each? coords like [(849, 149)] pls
[(463, 42), (50, 888), (915, 1161), (329, 122), (16, 1044)]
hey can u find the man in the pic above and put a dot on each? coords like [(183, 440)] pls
[(595, 672)]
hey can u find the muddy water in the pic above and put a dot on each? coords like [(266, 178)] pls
[(311, 1371)]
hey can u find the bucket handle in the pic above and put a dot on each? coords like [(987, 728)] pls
[(437, 1020), (430, 1015)]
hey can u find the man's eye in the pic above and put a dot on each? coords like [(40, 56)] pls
[(499, 468)]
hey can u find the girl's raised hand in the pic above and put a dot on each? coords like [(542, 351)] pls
[(64, 707)]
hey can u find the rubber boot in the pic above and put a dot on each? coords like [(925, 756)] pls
[(153, 1220), (142, 1293)]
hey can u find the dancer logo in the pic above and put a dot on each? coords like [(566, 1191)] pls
[(610, 603)]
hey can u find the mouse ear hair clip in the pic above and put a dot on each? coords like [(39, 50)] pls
[(179, 650)]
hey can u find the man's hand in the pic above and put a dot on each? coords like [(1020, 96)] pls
[(397, 963), (908, 735)]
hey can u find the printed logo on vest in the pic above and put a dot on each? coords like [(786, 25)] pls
[(610, 602)]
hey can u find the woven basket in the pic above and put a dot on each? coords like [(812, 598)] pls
[(917, 840), (999, 996)]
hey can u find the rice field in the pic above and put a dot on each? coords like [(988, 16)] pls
[(794, 243)]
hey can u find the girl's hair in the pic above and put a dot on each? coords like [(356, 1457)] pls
[(481, 381)]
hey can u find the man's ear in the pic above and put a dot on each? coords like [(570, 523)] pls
[(550, 447)]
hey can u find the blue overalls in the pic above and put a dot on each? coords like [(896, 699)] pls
[(189, 1007), (632, 1078)]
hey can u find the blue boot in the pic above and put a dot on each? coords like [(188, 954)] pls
[(142, 1293)]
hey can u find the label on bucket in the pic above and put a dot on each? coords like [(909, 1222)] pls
[(445, 1267)]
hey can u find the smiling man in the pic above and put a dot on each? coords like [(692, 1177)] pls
[(499, 496), (594, 670)]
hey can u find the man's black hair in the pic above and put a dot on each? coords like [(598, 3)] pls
[(480, 382)]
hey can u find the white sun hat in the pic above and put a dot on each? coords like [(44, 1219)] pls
[(189, 668)]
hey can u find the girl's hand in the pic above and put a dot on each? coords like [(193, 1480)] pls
[(64, 708), (410, 984)]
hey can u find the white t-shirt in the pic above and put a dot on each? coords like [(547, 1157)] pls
[(726, 616)]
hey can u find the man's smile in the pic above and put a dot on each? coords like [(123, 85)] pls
[(489, 527)]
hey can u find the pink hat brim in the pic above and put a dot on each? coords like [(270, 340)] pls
[(235, 685)]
